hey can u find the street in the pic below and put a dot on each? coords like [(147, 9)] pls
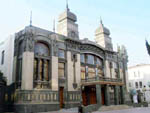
[(132, 110)]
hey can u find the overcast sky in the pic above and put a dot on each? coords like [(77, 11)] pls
[(127, 20)]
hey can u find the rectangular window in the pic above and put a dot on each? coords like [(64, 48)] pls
[(138, 74), (140, 84), (90, 59), (82, 58), (82, 72), (61, 53), (91, 72), (136, 84), (3, 55), (61, 70), (99, 62), (100, 72)]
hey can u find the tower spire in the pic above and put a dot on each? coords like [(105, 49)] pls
[(31, 18), (101, 22), (67, 8)]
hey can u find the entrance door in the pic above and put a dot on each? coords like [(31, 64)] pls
[(61, 96), (89, 95), (103, 95), (93, 95)]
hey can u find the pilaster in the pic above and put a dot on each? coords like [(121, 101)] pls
[(122, 94), (98, 95), (69, 72), (27, 71), (54, 67), (116, 95), (107, 95)]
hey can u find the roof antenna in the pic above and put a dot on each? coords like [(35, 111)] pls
[(31, 19), (54, 25), (67, 8)]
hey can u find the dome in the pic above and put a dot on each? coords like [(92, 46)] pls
[(67, 14), (102, 29)]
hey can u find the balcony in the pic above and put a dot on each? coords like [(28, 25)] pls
[(101, 80)]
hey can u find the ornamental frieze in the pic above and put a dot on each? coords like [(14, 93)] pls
[(91, 48)]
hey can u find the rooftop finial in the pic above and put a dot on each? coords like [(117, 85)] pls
[(101, 22), (54, 25), (31, 18), (67, 8)]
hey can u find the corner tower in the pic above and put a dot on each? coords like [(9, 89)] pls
[(102, 37), (67, 24)]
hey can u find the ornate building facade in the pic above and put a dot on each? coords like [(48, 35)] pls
[(59, 70)]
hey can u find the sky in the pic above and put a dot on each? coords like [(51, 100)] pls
[(127, 20)]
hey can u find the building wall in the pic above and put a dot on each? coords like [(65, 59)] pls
[(7, 68), (137, 74)]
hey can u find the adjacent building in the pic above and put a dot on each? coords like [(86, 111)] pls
[(59, 70), (139, 79), (6, 58)]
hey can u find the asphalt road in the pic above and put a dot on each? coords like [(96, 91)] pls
[(132, 110)]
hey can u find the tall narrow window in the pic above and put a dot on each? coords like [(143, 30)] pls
[(91, 72), (35, 69), (82, 72), (82, 58), (61, 53), (90, 59), (3, 55), (140, 84), (136, 84)]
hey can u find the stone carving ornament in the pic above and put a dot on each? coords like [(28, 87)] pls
[(29, 42)]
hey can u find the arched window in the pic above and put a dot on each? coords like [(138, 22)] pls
[(41, 66), (90, 66), (41, 49)]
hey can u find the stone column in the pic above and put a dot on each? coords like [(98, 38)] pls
[(98, 95), (44, 72), (27, 71), (54, 68), (38, 74), (122, 94), (116, 95), (107, 95)]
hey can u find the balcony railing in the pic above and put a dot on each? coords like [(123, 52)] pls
[(101, 79)]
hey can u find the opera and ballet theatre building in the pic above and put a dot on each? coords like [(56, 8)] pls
[(59, 70)]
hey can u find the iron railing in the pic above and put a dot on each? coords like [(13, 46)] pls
[(93, 79)]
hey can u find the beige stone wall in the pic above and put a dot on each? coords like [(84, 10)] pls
[(62, 27), (70, 71), (27, 71), (54, 73)]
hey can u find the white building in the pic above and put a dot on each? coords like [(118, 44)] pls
[(139, 79), (6, 58)]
